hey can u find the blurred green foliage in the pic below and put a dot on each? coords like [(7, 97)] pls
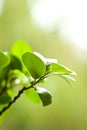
[(69, 108)]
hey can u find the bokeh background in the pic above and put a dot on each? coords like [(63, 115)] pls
[(56, 29)]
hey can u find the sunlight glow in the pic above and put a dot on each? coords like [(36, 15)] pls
[(70, 16)]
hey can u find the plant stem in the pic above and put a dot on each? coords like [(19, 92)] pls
[(15, 98), (21, 92)]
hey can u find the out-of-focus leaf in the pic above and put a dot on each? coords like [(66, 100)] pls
[(68, 78), (4, 99), (34, 64), (19, 48), (17, 78), (4, 60), (44, 95), (15, 63)]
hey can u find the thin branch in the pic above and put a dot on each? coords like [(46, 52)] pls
[(13, 101), (21, 92)]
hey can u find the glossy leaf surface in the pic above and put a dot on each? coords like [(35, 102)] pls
[(15, 63), (44, 95), (34, 64)]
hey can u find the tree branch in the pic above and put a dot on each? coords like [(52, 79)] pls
[(13, 101), (21, 92)]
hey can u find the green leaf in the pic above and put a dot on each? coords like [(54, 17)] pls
[(34, 64), (32, 95), (15, 63), (4, 99), (60, 69), (44, 95), (19, 48), (4, 60)]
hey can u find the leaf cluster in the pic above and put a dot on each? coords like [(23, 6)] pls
[(23, 71)]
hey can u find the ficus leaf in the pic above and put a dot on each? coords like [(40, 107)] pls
[(60, 69), (34, 64), (44, 95), (15, 63)]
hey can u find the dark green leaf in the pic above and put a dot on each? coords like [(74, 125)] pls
[(4, 99), (34, 64), (15, 63), (44, 95), (32, 95), (4, 60), (19, 48)]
